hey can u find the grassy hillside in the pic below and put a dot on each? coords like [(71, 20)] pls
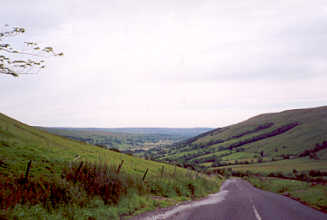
[(60, 186), (266, 137)]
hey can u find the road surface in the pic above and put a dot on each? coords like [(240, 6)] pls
[(238, 200)]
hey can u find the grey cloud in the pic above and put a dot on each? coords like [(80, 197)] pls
[(35, 14), (294, 52), (138, 61)]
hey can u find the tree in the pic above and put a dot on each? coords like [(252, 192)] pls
[(27, 60)]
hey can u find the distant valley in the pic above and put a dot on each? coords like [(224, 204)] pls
[(127, 139)]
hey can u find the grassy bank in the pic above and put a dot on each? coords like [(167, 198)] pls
[(96, 191), (58, 189), (311, 194)]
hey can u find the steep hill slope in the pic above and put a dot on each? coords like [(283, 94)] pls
[(60, 186), (265, 137), (20, 143)]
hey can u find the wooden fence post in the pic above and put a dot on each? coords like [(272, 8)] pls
[(175, 171), (119, 167), (146, 172), (77, 171), (162, 170), (27, 171)]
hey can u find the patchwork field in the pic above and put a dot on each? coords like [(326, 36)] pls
[(127, 139)]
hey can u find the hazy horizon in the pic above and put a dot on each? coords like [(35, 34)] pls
[(167, 63), (161, 127)]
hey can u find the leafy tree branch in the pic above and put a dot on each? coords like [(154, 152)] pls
[(28, 60)]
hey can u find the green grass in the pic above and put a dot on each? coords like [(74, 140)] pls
[(20, 143), (216, 154), (96, 209), (285, 166), (207, 164), (238, 156)]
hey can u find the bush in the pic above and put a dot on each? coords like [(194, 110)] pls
[(99, 180), (50, 193)]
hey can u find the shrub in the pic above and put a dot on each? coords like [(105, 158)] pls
[(50, 193), (191, 188), (99, 180)]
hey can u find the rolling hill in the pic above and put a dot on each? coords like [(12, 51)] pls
[(299, 133), (70, 179)]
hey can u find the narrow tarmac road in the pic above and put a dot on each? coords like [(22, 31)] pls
[(238, 200)]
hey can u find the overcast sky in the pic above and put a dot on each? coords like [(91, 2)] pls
[(167, 63)]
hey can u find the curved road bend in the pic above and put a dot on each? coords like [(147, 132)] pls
[(238, 200)]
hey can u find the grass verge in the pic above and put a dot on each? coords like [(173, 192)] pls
[(88, 190), (311, 194)]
